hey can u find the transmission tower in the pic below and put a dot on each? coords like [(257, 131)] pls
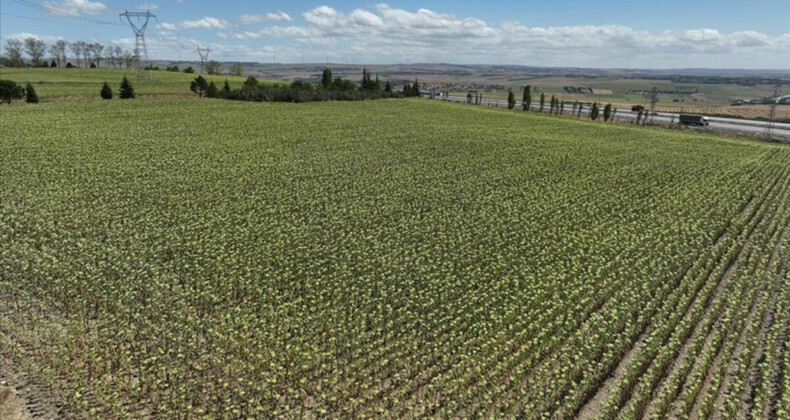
[(769, 130), (203, 53), (139, 21)]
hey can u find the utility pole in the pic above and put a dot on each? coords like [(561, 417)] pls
[(653, 100), (203, 53), (139, 22), (769, 130)]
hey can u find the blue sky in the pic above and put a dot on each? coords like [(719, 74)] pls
[(592, 33)]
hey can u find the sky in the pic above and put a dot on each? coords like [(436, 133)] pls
[(743, 34)]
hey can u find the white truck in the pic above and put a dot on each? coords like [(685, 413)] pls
[(689, 119)]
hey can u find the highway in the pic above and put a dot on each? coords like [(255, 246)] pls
[(731, 125)]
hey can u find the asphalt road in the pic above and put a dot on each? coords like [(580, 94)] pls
[(732, 125)]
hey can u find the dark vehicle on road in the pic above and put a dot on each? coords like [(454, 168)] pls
[(637, 108), (688, 119)]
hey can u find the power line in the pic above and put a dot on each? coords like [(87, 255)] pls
[(41, 20), (61, 13)]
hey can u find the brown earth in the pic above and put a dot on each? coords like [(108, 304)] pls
[(11, 406)]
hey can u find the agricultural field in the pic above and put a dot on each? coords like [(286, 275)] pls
[(185, 258), (59, 83)]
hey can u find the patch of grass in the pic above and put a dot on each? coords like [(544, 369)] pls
[(51, 83)]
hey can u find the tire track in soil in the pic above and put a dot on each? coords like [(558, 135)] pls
[(747, 400), (740, 347), (604, 393), (682, 356), (766, 322), (26, 399), (593, 406)]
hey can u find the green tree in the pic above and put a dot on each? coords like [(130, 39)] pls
[(213, 67), (250, 83), (126, 91), (236, 69), (542, 101), (106, 92), (562, 107), (469, 98), (13, 50), (388, 87), (511, 100), (326, 79), (552, 104), (10, 90), (199, 86), (607, 112), (35, 48), (225, 88), (594, 111), (526, 100), (189, 70), (212, 91), (639, 116)]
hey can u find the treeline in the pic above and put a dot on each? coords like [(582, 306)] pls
[(329, 89), (31, 52)]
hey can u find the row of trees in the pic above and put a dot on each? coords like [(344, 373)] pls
[(557, 106), (84, 54), (329, 89)]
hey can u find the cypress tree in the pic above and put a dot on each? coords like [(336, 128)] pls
[(511, 100), (594, 111), (542, 101), (607, 112), (226, 88), (30, 94), (562, 107), (527, 97), (212, 91), (106, 92), (326, 78), (551, 104), (126, 90)]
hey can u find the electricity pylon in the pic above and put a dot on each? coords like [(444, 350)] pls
[(139, 22), (203, 53)]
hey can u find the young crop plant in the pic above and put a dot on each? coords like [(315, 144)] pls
[(312, 264)]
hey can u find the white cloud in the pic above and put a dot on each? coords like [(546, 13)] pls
[(388, 34), (147, 6), (168, 26), (268, 17), (205, 23), (365, 18), (75, 7)]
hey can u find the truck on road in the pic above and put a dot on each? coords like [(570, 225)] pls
[(689, 119)]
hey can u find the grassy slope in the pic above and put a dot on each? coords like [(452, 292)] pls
[(319, 249), (63, 82)]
